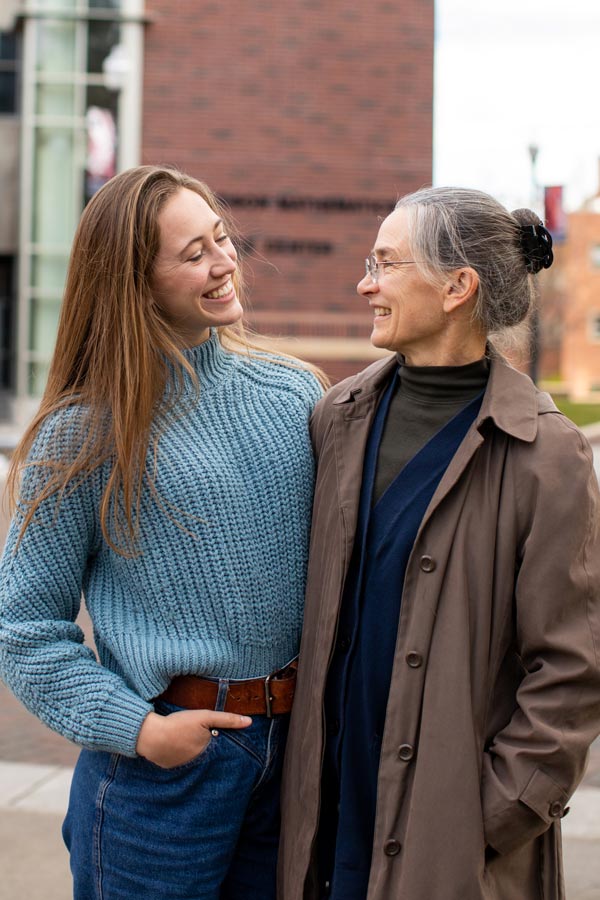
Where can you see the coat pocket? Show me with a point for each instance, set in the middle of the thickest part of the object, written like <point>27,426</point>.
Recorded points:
<point>515,875</point>
<point>511,822</point>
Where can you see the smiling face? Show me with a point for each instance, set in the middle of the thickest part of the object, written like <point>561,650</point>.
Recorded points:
<point>192,277</point>
<point>409,315</point>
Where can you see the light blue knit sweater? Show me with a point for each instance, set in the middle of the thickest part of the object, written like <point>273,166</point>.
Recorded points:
<point>223,597</point>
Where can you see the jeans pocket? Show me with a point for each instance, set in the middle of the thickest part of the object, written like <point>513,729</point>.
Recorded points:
<point>163,708</point>
<point>263,741</point>
<point>242,742</point>
<point>197,760</point>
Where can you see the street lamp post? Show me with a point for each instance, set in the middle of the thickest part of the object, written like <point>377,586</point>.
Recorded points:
<point>534,344</point>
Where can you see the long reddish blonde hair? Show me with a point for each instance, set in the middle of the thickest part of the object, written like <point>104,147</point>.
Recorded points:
<point>115,351</point>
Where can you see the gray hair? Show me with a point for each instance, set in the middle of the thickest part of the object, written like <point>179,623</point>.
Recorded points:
<point>449,228</point>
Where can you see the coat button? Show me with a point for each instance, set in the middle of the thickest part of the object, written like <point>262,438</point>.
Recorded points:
<point>406,752</point>
<point>556,809</point>
<point>427,564</point>
<point>392,848</point>
<point>414,659</point>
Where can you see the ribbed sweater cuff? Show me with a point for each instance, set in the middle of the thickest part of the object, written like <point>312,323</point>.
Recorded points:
<point>118,724</point>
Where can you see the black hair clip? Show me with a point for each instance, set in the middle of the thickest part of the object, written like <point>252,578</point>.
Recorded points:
<point>536,246</point>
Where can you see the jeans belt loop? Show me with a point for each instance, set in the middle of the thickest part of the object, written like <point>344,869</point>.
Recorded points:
<point>222,695</point>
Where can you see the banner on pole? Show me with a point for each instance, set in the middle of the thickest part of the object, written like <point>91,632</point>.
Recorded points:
<point>554,213</point>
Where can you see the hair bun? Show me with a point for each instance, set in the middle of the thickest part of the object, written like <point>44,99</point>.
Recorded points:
<point>535,241</point>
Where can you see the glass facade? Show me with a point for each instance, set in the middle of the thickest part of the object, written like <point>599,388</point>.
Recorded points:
<point>9,70</point>
<point>6,320</point>
<point>10,64</point>
<point>74,106</point>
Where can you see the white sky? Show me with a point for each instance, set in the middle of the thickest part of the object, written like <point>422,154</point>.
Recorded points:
<point>511,73</point>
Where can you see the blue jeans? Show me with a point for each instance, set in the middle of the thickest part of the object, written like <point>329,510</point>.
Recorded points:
<point>207,830</point>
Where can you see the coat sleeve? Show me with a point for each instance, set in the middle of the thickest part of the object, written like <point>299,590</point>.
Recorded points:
<point>318,428</point>
<point>534,764</point>
<point>321,420</point>
<point>43,659</point>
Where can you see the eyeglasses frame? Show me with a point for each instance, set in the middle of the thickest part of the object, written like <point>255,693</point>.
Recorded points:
<point>373,265</point>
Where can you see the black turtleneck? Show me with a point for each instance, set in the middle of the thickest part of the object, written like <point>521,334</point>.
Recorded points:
<point>425,398</point>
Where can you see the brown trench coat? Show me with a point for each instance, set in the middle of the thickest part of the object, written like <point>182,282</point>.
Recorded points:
<point>495,693</point>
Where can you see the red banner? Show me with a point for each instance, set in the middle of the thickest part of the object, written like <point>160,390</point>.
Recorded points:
<point>554,215</point>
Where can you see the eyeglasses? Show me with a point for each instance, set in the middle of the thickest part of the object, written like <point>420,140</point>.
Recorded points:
<point>373,266</point>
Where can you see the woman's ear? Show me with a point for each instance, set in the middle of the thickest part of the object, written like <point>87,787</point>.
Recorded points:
<point>461,286</point>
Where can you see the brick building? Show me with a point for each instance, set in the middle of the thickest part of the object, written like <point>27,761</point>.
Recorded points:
<point>571,306</point>
<point>580,344</point>
<point>313,122</point>
<point>309,119</point>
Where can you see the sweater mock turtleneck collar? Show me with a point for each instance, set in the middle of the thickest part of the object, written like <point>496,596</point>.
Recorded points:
<point>425,398</point>
<point>210,360</point>
<point>443,384</point>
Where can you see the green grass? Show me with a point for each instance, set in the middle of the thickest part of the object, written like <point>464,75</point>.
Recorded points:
<point>580,413</point>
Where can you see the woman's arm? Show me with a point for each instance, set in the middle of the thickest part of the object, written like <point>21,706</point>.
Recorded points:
<point>537,760</point>
<point>42,656</point>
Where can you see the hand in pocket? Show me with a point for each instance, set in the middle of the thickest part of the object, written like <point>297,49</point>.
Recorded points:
<point>175,740</point>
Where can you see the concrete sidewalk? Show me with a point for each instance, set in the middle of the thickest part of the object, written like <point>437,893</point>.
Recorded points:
<point>34,862</point>
<point>33,859</point>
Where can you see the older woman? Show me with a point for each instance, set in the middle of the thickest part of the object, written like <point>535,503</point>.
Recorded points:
<point>449,685</point>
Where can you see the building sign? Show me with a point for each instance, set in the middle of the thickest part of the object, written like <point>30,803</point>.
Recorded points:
<point>294,203</point>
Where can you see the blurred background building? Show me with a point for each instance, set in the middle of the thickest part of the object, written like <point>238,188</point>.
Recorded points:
<point>571,303</point>
<point>309,119</point>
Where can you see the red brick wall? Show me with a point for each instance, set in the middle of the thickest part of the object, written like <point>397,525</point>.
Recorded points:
<point>580,358</point>
<point>303,100</point>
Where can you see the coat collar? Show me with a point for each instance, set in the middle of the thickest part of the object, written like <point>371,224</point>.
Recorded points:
<point>511,399</point>
<point>369,381</point>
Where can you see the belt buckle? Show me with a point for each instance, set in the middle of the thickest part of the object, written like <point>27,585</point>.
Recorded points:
<point>268,698</point>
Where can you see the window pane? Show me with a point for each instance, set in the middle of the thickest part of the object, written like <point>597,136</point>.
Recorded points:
<point>7,303</point>
<point>55,100</point>
<point>49,273</point>
<point>102,97</point>
<point>102,37</point>
<point>56,47</point>
<point>53,192</point>
<point>38,375</point>
<point>8,45</point>
<point>101,122</point>
<point>8,92</point>
<point>44,323</point>
<point>56,4</point>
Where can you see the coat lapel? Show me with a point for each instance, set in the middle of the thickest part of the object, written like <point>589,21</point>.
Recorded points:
<point>516,417</point>
<point>353,414</point>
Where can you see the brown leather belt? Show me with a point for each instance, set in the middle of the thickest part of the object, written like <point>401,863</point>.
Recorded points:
<point>270,696</point>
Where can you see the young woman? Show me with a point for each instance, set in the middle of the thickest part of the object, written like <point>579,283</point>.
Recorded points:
<point>168,478</point>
